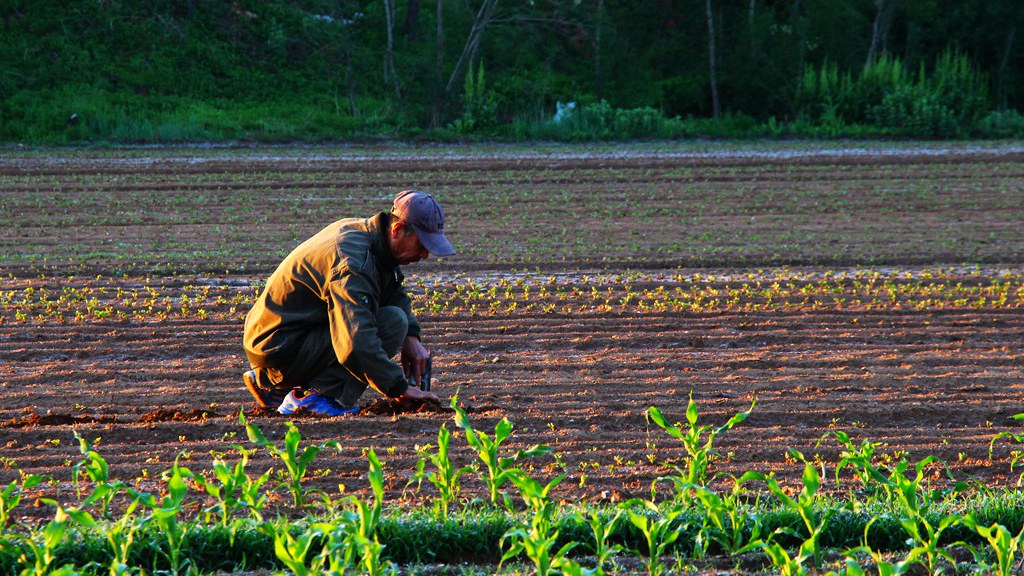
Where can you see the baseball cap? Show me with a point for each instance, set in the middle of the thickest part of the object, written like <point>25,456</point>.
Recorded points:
<point>424,214</point>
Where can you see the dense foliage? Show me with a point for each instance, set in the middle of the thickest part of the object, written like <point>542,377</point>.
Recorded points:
<point>160,70</point>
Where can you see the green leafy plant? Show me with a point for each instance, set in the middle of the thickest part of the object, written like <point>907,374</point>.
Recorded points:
<point>498,468</point>
<point>806,508</point>
<point>235,488</point>
<point>11,496</point>
<point>94,468</point>
<point>1003,543</point>
<point>659,527</point>
<point>538,539</point>
<point>697,440</point>
<point>445,476</point>
<point>164,512</point>
<point>725,519</point>
<point>602,528</point>
<point>296,463</point>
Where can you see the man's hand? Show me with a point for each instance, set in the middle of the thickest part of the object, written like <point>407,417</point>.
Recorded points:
<point>414,393</point>
<point>414,358</point>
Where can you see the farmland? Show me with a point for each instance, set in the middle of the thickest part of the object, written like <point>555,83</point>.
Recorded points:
<point>876,291</point>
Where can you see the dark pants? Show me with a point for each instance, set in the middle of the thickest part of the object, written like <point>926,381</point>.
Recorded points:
<point>315,366</point>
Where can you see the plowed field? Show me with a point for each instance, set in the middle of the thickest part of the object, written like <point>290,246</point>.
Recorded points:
<point>878,292</point>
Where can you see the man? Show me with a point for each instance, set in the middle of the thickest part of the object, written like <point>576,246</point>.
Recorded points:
<point>335,312</point>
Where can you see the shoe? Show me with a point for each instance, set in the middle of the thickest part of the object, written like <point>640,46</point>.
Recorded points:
<point>315,403</point>
<point>266,396</point>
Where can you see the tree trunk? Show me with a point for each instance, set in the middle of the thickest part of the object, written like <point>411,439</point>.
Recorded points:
<point>436,110</point>
<point>752,26</point>
<point>483,17</point>
<point>412,20</point>
<point>598,80</point>
<point>389,61</point>
<point>712,66</point>
<point>880,28</point>
<point>1000,96</point>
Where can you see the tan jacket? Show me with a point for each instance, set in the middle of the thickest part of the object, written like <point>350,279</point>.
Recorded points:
<point>340,277</point>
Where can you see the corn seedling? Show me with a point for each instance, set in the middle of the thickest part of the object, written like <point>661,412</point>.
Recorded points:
<point>43,552</point>
<point>697,440</point>
<point>538,539</point>
<point>94,468</point>
<point>235,488</point>
<point>602,528</point>
<point>445,477</point>
<point>164,512</point>
<point>803,505</point>
<point>725,520</point>
<point>1005,546</point>
<point>659,527</point>
<point>11,496</point>
<point>296,464</point>
<point>498,468</point>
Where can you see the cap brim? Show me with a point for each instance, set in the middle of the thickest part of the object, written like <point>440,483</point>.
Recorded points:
<point>435,243</point>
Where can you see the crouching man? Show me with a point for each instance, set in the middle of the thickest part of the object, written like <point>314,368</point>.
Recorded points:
<point>335,312</point>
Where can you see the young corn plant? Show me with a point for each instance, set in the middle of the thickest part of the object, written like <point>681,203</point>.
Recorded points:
<point>725,520</point>
<point>1017,454</point>
<point>883,566</point>
<point>1004,545</point>
<point>352,540</point>
<point>659,527</point>
<point>11,496</point>
<point>42,553</point>
<point>445,477</point>
<point>164,512</point>
<point>498,468</point>
<point>804,506</point>
<point>296,463</point>
<point>94,468</point>
<point>698,442</point>
<point>119,533</point>
<point>537,540</point>
<point>296,552</point>
<point>235,488</point>
<point>602,528</point>
<point>913,501</point>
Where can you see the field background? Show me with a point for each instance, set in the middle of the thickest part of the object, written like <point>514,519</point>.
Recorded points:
<point>870,288</point>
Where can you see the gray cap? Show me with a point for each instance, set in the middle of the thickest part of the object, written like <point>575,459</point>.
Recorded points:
<point>424,214</point>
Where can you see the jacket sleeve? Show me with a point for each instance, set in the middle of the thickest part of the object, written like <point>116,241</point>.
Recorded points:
<point>355,337</point>
<point>401,300</point>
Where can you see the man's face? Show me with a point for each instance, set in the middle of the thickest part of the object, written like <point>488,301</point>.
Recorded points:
<point>406,246</point>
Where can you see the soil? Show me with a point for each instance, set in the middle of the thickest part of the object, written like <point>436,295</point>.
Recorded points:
<point>148,390</point>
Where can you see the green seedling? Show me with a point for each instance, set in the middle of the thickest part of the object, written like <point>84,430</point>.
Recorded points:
<point>295,552</point>
<point>498,468</point>
<point>11,496</point>
<point>235,488</point>
<point>537,540</point>
<point>93,467</point>
<point>1004,544</point>
<point>445,477</point>
<point>43,552</point>
<point>296,464</point>
<point>119,533</point>
<point>725,520</point>
<point>803,505</point>
<point>697,440</point>
<point>352,540</point>
<point>602,528</point>
<point>164,512</point>
<point>659,527</point>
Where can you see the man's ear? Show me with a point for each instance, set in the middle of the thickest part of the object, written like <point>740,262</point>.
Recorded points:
<point>397,227</point>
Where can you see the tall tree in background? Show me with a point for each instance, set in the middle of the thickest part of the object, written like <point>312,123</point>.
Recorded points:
<point>880,28</point>
<point>712,63</point>
<point>469,51</point>
<point>390,76</point>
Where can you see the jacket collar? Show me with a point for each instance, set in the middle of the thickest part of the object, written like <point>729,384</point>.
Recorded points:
<point>379,227</point>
